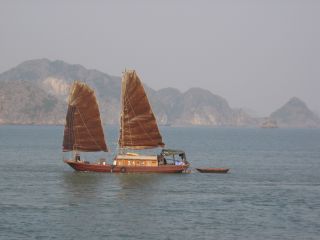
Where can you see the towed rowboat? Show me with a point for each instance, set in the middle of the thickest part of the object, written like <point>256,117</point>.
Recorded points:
<point>213,170</point>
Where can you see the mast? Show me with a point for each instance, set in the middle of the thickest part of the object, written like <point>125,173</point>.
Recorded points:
<point>139,128</point>
<point>83,129</point>
<point>121,135</point>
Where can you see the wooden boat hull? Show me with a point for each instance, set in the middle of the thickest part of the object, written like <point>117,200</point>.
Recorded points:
<point>213,170</point>
<point>95,167</point>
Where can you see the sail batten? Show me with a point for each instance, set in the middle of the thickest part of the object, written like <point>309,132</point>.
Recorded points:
<point>83,129</point>
<point>139,129</point>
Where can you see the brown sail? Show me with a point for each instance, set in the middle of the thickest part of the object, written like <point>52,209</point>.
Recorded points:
<point>139,129</point>
<point>83,130</point>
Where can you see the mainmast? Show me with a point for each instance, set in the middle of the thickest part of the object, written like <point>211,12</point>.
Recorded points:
<point>139,128</point>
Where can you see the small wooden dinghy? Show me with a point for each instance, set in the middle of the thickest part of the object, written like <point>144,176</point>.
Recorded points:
<point>213,170</point>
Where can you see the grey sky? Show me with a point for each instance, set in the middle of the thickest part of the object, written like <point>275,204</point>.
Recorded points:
<point>256,54</point>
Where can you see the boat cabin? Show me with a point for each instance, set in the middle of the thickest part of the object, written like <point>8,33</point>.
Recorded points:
<point>130,159</point>
<point>173,157</point>
<point>166,157</point>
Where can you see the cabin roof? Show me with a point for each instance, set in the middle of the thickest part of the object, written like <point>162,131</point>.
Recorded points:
<point>167,152</point>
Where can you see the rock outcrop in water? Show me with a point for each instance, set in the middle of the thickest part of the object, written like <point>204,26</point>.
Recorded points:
<point>295,114</point>
<point>269,123</point>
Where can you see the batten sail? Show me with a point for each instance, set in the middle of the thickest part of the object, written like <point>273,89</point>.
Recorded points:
<point>83,130</point>
<point>139,129</point>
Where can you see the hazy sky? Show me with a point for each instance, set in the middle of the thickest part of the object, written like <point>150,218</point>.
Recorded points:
<point>256,54</point>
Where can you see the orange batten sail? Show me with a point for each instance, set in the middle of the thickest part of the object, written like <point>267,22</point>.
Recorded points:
<point>139,129</point>
<point>83,130</point>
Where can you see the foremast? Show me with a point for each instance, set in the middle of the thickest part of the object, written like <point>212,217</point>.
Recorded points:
<point>83,130</point>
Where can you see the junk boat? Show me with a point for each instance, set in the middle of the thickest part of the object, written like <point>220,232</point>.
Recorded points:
<point>138,131</point>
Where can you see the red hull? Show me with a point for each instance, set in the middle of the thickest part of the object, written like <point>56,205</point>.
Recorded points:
<point>157,169</point>
<point>213,170</point>
<point>94,167</point>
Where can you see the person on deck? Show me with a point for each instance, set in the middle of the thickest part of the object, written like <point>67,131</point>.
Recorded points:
<point>164,161</point>
<point>77,157</point>
<point>178,163</point>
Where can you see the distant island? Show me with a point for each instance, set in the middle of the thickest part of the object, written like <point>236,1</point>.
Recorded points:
<point>35,92</point>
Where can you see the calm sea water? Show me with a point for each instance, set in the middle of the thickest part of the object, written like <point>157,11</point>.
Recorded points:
<point>271,192</point>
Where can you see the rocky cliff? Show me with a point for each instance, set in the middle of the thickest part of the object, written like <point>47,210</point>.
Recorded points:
<point>35,92</point>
